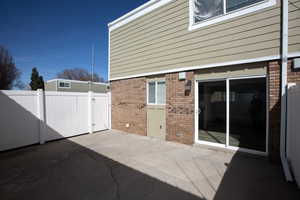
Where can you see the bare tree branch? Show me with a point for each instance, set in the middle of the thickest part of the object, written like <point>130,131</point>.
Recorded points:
<point>79,74</point>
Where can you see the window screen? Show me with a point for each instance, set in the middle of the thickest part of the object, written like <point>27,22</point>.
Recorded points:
<point>205,9</point>
<point>151,92</point>
<point>232,5</point>
<point>161,93</point>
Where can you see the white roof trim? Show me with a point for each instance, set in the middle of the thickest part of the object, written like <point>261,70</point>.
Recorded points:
<point>260,59</point>
<point>75,81</point>
<point>136,13</point>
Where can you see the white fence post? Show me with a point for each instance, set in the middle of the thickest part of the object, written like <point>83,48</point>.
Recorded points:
<point>41,114</point>
<point>109,110</point>
<point>293,138</point>
<point>90,111</point>
<point>290,104</point>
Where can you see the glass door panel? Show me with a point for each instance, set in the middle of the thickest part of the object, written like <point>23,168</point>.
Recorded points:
<point>248,113</point>
<point>212,111</point>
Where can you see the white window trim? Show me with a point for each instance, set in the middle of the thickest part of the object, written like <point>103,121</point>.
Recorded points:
<point>64,82</point>
<point>156,83</point>
<point>242,11</point>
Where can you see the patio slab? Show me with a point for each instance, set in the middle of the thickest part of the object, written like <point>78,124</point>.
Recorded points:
<point>115,165</point>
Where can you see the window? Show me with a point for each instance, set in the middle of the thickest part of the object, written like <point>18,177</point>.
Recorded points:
<point>204,9</point>
<point>151,93</point>
<point>63,84</point>
<point>156,92</point>
<point>206,12</point>
<point>232,5</point>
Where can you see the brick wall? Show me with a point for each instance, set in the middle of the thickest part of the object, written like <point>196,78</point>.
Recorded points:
<point>129,105</point>
<point>274,109</point>
<point>180,110</point>
<point>293,75</point>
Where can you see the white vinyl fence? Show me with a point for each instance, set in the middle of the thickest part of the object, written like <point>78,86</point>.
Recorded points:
<point>293,129</point>
<point>29,117</point>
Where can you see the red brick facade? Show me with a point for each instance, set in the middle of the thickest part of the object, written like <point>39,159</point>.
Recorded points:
<point>129,106</point>
<point>274,109</point>
<point>180,109</point>
<point>293,75</point>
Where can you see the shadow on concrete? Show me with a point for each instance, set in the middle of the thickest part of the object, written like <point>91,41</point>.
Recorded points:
<point>66,170</point>
<point>251,177</point>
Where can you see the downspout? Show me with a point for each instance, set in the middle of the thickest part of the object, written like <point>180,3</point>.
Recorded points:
<point>284,64</point>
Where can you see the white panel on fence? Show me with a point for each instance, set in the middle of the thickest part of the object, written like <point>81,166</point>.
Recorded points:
<point>101,112</point>
<point>293,140</point>
<point>29,117</point>
<point>19,123</point>
<point>66,114</point>
<point>82,117</point>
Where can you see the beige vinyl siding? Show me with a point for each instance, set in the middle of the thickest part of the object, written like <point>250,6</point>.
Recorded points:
<point>76,87</point>
<point>84,87</point>
<point>253,69</point>
<point>51,86</point>
<point>160,40</point>
<point>294,26</point>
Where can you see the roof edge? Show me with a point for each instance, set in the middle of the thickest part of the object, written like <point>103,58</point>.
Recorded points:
<point>136,13</point>
<point>75,81</point>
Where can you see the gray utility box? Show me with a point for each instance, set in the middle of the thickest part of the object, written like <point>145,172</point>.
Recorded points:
<point>297,63</point>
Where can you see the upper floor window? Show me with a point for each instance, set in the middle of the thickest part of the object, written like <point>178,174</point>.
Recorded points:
<point>206,12</point>
<point>204,9</point>
<point>64,84</point>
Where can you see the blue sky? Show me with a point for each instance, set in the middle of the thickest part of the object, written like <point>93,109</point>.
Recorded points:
<point>53,35</point>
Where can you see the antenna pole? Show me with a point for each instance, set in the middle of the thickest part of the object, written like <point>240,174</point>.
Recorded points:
<point>92,66</point>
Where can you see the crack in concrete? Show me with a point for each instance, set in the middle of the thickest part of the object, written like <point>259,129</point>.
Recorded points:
<point>110,169</point>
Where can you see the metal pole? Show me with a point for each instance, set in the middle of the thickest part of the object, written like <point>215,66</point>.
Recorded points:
<point>93,61</point>
<point>92,66</point>
<point>284,65</point>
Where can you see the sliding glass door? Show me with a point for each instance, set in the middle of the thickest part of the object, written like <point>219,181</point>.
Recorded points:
<point>212,112</point>
<point>248,113</point>
<point>232,113</point>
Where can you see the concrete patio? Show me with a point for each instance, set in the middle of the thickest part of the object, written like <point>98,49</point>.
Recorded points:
<point>113,165</point>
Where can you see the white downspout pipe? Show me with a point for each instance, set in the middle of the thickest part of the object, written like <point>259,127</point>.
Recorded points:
<point>284,64</point>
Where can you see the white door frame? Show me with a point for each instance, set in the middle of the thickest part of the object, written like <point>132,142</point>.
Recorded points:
<point>226,145</point>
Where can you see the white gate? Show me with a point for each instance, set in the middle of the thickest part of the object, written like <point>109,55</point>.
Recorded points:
<point>101,104</point>
<point>66,114</point>
<point>29,117</point>
<point>293,129</point>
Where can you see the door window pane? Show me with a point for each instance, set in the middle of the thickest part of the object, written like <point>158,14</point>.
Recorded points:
<point>212,112</point>
<point>151,92</point>
<point>248,114</point>
<point>161,93</point>
<point>232,5</point>
<point>205,9</point>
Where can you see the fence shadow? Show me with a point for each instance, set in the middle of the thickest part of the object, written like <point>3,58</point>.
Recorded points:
<point>66,170</point>
<point>251,177</point>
